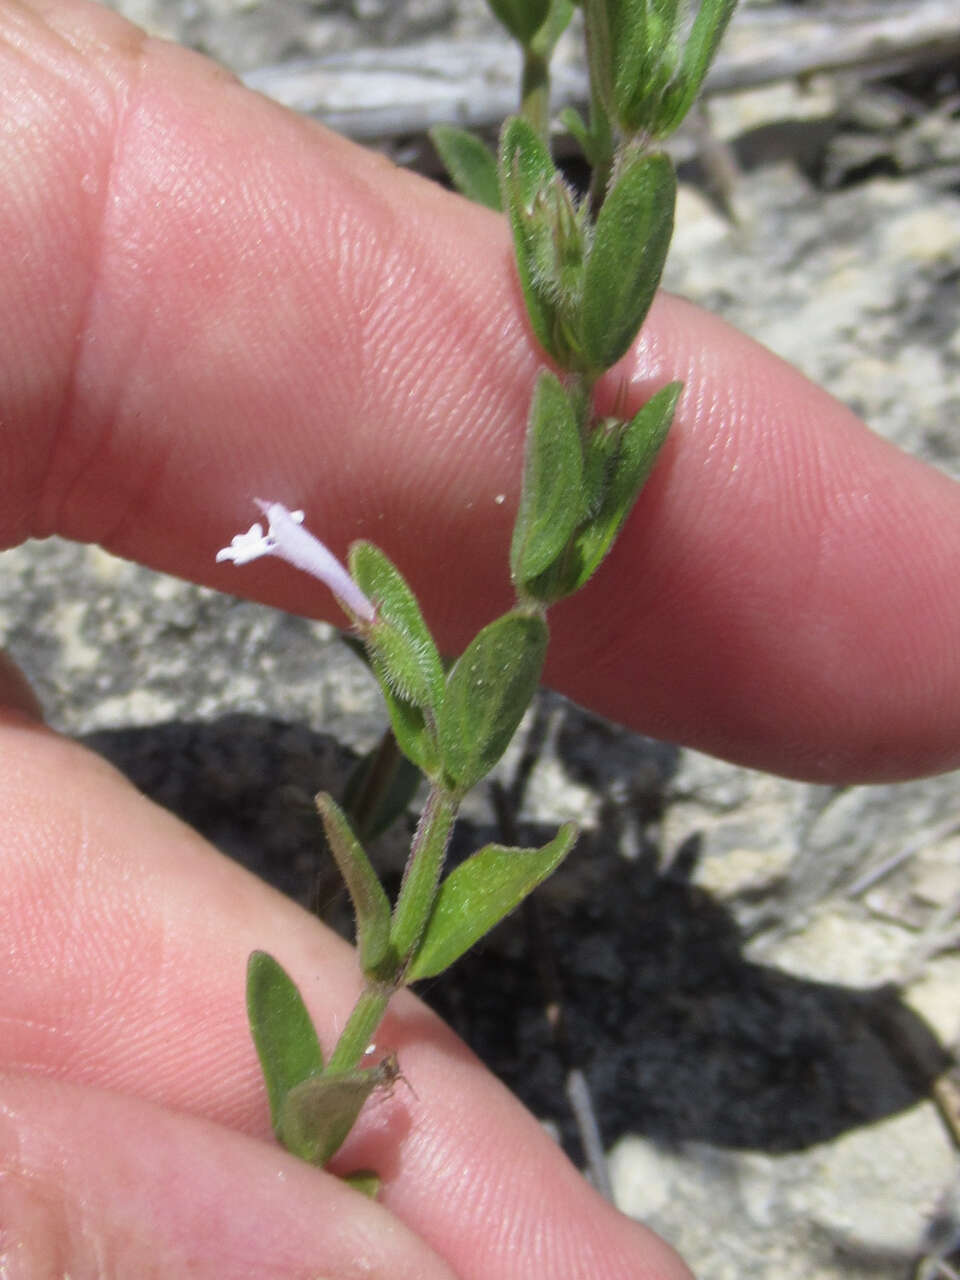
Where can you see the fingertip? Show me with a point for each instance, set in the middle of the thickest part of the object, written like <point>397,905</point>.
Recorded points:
<point>98,1183</point>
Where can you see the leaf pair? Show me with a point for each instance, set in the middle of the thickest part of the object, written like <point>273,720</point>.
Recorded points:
<point>576,496</point>
<point>587,287</point>
<point>471,164</point>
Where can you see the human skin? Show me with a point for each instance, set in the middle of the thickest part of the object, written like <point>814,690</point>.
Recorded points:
<point>205,298</point>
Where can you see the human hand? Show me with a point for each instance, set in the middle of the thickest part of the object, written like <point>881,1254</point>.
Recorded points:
<point>205,298</point>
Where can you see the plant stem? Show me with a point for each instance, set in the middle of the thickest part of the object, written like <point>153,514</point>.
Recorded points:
<point>579,387</point>
<point>603,157</point>
<point>597,36</point>
<point>535,92</point>
<point>422,873</point>
<point>410,916</point>
<point>360,1028</point>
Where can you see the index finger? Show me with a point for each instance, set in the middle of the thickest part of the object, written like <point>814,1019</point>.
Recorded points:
<point>209,298</point>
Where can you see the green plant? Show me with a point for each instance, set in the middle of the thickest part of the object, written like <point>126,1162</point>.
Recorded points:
<point>589,267</point>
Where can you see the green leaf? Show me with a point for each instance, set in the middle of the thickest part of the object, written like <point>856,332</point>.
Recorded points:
<point>402,651</point>
<point>380,788</point>
<point>629,249</point>
<point>553,470</point>
<point>415,735</point>
<point>525,163</point>
<point>566,574</point>
<point>318,1114</point>
<point>283,1033</point>
<point>479,893</point>
<point>488,690</point>
<point>628,461</point>
<point>471,164</point>
<point>522,18</point>
<point>706,33</point>
<point>597,37</point>
<point>548,239</point>
<point>526,169</point>
<point>370,903</point>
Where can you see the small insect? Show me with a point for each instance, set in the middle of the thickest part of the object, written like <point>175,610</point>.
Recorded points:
<point>387,1072</point>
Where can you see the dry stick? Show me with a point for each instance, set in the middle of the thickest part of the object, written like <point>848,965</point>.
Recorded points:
<point>934,939</point>
<point>585,1115</point>
<point>400,93</point>
<point>946,1095</point>
<point>882,869</point>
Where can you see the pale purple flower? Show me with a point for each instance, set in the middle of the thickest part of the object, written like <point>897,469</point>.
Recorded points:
<point>287,538</point>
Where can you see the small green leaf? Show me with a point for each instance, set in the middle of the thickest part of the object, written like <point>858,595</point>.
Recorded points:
<point>283,1033</point>
<point>471,164</point>
<point>415,735</point>
<point>706,33</point>
<point>370,903</point>
<point>526,165</point>
<point>488,690</point>
<point>318,1114</point>
<point>552,476</point>
<point>629,249</point>
<point>479,893</point>
<point>380,788</point>
<point>549,239</point>
<point>522,18</point>
<point>402,651</point>
<point>626,466</point>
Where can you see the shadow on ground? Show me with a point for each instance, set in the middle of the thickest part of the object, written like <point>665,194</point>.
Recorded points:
<point>680,1037</point>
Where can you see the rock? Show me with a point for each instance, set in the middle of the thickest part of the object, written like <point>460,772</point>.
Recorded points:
<point>856,1193</point>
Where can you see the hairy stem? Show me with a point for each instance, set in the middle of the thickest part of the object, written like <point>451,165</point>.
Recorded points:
<point>359,1031</point>
<point>535,92</point>
<point>422,874</point>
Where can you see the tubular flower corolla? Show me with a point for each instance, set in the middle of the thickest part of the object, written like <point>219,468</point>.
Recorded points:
<point>287,538</point>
